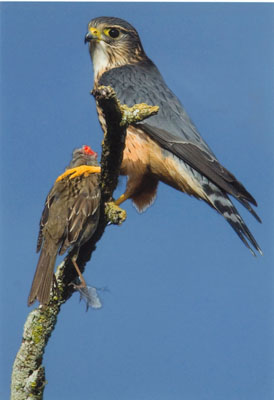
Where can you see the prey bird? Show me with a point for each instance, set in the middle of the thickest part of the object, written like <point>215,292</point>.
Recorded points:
<point>166,147</point>
<point>69,219</point>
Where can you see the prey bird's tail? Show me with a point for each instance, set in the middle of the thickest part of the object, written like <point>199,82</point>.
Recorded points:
<point>42,281</point>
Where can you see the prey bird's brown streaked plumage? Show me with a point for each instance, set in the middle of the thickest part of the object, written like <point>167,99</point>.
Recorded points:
<point>69,219</point>
<point>167,147</point>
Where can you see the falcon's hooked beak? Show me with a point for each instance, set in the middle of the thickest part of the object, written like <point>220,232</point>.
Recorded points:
<point>93,34</point>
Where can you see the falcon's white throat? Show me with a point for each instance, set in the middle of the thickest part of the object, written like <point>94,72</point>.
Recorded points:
<point>99,57</point>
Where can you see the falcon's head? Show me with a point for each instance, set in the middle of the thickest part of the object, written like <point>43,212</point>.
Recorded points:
<point>113,42</point>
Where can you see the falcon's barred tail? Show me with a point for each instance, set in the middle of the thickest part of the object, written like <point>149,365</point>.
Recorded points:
<point>42,281</point>
<point>220,201</point>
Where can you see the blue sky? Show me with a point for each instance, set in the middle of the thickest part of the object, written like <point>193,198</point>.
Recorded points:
<point>189,311</point>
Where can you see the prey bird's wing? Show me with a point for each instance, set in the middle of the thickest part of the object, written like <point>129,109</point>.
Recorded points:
<point>54,192</point>
<point>83,210</point>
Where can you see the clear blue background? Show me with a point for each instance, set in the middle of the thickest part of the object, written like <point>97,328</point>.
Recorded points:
<point>189,312</point>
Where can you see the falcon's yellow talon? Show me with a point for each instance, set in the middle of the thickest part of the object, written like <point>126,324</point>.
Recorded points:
<point>78,171</point>
<point>65,174</point>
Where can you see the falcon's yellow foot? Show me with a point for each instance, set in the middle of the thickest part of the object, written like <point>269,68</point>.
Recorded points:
<point>121,199</point>
<point>85,170</point>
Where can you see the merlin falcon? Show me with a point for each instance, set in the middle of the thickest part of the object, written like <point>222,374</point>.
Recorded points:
<point>166,147</point>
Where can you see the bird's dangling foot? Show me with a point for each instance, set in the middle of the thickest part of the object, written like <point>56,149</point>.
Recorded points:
<point>83,283</point>
<point>88,293</point>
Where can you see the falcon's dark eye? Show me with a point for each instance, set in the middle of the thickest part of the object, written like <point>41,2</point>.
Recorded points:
<point>113,32</point>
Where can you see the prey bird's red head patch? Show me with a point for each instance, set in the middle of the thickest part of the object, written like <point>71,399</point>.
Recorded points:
<point>88,150</point>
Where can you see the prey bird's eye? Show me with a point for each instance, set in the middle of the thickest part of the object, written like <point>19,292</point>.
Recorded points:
<point>112,32</point>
